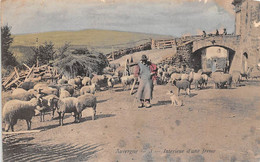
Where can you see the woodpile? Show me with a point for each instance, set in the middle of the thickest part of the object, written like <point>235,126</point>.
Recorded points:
<point>41,73</point>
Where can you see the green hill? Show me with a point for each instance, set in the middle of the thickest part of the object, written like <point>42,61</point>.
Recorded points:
<point>101,40</point>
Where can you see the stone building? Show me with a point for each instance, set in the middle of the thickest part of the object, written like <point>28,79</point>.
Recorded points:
<point>247,15</point>
<point>242,49</point>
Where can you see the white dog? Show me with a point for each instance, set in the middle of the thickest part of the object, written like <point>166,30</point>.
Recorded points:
<point>176,101</point>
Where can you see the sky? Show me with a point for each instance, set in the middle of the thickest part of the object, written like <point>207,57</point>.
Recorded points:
<point>165,17</point>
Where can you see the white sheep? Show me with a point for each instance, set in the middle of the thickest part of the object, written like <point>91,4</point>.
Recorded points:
<point>40,86</point>
<point>220,79</point>
<point>165,77</point>
<point>18,91</point>
<point>76,106</point>
<point>72,83</point>
<point>88,89</point>
<point>254,73</point>
<point>197,79</point>
<point>205,79</point>
<point>68,88</point>
<point>86,81</point>
<point>100,81</point>
<point>175,77</point>
<point>76,93</point>
<point>16,109</point>
<point>86,101</point>
<point>236,77</point>
<point>64,77</point>
<point>48,91</point>
<point>127,80</point>
<point>191,76</point>
<point>26,96</point>
<point>184,77</point>
<point>64,93</point>
<point>62,81</point>
<point>116,79</point>
<point>110,81</point>
<point>67,105</point>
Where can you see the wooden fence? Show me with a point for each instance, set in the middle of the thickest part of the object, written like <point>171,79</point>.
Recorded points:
<point>163,44</point>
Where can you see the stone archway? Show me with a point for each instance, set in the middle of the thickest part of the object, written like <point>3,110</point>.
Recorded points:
<point>199,60</point>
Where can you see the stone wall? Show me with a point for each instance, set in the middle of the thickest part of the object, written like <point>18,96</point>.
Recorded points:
<point>184,55</point>
<point>249,16</point>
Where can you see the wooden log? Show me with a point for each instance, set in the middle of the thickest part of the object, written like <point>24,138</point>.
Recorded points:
<point>31,69</point>
<point>20,84</point>
<point>22,132</point>
<point>131,92</point>
<point>9,78</point>
<point>16,72</point>
<point>12,82</point>
<point>26,66</point>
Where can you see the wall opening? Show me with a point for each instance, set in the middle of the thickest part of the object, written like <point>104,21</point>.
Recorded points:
<point>213,58</point>
<point>244,62</point>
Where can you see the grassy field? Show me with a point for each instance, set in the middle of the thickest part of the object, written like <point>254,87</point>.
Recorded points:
<point>104,41</point>
<point>101,40</point>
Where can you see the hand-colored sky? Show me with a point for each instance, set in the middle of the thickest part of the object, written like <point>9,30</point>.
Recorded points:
<point>168,17</point>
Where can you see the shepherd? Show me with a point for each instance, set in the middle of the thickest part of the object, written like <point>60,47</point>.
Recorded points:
<point>146,73</point>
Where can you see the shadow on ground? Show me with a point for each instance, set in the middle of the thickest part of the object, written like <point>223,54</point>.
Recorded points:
<point>100,101</point>
<point>100,116</point>
<point>18,149</point>
<point>159,103</point>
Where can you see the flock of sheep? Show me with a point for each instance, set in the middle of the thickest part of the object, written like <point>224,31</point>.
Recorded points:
<point>75,95</point>
<point>184,79</point>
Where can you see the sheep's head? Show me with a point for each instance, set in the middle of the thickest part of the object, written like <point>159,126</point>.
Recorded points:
<point>80,77</point>
<point>174,82</point>
<point>39,99</point>
<point>53,101</point>
<point>94,85</point>
<point>200,71</point>
<point>32,91</point>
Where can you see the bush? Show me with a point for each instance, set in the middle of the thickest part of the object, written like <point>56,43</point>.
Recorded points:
<point>73,65</point>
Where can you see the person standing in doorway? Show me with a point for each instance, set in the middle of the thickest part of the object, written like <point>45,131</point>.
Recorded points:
<point>214,66</point>
<point>146,72</point>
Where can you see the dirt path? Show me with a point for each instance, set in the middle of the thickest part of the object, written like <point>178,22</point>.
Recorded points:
<point>213,125</point>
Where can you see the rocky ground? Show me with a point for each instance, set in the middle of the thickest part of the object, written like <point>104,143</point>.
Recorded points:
<point>213,125</point>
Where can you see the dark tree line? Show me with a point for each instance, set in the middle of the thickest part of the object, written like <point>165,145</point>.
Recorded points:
<point>44,53</point>
<point>8,58</point>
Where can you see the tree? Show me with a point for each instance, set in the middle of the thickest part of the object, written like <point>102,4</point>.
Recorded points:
<point>44,53</point>
<point>62,51</point>
<point>6,41</point>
